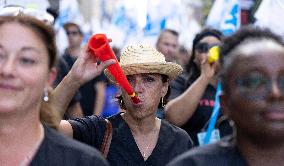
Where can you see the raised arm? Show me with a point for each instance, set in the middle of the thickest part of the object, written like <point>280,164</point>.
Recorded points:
<point>179,110</point>
<point>84,69</point>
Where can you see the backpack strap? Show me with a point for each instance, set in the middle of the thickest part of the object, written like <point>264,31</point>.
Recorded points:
<point>107,139</point>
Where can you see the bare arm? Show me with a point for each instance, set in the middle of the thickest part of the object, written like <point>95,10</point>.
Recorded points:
<point>65,128</point>
<point>64,93</point>
<point>75,111</point>
<point>180,110</point>
<point>100,97</point>
<point>84,69</point>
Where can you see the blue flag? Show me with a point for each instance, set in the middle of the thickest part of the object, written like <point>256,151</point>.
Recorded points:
<point>154,27</point>
<point>225,16</point>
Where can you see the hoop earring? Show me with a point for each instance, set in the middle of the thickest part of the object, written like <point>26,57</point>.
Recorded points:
<point>163,102</point>
<point>121,103</point>
<point>232,124</point>
<point>45,96</point>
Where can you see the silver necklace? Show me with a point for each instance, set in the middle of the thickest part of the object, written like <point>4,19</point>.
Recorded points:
<point>146,141</point>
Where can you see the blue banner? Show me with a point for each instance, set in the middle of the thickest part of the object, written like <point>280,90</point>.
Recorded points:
<point>225,16</point>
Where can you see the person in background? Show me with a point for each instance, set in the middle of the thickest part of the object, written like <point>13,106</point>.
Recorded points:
<point>138,136</point>
<point>178,85</point>
<point>193,98</point>
<point>168,44</point>
<point>253,97</point>
<point>183,57</point>
<point>27,69</point>
<point>75,38</point>
<point>92,92</point>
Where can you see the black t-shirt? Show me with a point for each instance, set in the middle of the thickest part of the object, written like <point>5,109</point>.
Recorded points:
<point>222,153</point>
<point>172,141</point>
<point>200,118</point>
<point>58,150</point>
<point>88,93</point>
<point>178,86</point>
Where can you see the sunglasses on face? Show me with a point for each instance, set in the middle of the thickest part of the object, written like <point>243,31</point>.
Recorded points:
<point>204,47</point>
<point>257,86</point>
<point>73,33</point>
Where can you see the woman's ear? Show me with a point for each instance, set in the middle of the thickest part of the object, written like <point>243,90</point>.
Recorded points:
<point>52,76</point>
<point>165,88</point>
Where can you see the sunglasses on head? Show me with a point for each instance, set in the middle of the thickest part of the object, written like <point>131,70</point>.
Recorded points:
<point>15,10</point>
<point>204,47</point>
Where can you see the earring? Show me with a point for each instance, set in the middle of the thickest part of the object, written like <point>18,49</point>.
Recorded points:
<point>163,102</point>
<point>232,124</point>
<point>45,96</point>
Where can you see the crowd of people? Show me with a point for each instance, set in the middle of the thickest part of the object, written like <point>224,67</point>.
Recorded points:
<point>52,107</point>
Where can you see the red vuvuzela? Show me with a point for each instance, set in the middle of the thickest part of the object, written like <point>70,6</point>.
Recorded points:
<point>98,46</point>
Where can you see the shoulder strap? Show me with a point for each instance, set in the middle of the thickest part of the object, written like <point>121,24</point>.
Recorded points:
<point>107,139</point>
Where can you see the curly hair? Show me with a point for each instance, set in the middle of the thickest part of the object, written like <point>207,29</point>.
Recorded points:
<point>241,36</point>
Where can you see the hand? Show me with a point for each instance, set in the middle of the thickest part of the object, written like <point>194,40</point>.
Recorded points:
<point>86,68</point>
<point>208,70</point>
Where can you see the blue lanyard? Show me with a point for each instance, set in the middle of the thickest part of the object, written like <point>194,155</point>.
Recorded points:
<point>214,115</point>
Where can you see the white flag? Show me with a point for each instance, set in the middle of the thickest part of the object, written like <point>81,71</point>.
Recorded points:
<point>270,15</point>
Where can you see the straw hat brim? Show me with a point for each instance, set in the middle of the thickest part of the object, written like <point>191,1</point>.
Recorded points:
<point>172,70</point>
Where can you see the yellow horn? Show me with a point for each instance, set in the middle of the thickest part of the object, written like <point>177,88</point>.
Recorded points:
<point>214,54</point>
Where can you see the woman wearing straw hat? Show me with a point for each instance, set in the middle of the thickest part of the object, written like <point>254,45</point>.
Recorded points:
<point>138,137</point>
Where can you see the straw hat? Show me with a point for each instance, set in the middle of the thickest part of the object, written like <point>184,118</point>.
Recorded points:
<point>137,59</point>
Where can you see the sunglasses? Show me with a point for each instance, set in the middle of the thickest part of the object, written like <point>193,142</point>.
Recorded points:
<point>204,47</point>
<point>257,86</point>
<point>15,10</point>
<point>73,33</point>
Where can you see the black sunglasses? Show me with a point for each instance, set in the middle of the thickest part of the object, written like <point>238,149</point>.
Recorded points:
<point>72,33</point>
<point>204,47</point>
